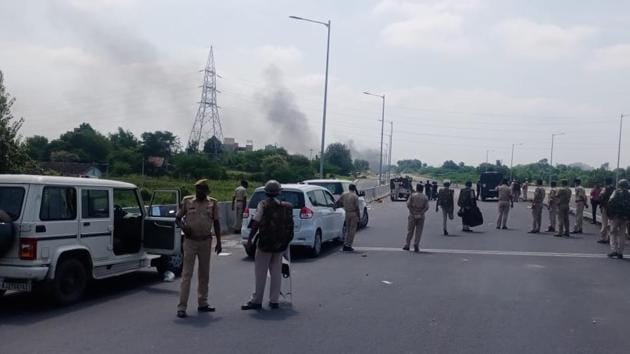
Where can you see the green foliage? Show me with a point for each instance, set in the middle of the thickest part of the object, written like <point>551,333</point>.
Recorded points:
<point>13,158</point>
<point>84,142</point>
<point>339,157</point>
<point>196,166</point>
<point>361,165</point>
<point>159,143</point>
<point>35,146</point>
<point>64,156</point>
<point>409,166</point>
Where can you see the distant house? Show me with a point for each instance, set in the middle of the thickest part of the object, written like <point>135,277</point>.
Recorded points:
<point>73,169</point>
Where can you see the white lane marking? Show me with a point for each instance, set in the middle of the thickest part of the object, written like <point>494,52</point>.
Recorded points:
<point>489,252</point>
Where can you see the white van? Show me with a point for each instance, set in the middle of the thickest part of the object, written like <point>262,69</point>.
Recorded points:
<point>57,233</point>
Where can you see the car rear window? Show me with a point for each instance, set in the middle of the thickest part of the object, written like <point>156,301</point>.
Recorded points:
<point>11,199</point>
<point>295,198</point>
<point>333,187</point>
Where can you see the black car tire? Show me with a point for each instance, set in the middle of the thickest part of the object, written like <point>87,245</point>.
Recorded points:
<point>365,218</point>
<point>174,264</point>
<point>316,250</point>
<point>70,282</point>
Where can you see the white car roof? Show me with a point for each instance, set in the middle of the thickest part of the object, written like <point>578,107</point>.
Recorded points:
<point>66,181</point>
<point>296,187</point>
<point>327,181</point>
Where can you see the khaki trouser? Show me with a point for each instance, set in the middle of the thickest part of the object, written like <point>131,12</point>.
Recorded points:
<point>352,220</point>
<point>447,213</point>
<point>504,210</point>
<point>415,225</point>
<point>618,235</point>
<point>553,217</point>
<point>272,262</point>
<point>238,216</point>
<point>579,216</point>
<point>603,234</point>
<point>537,209</point>
<point>192,250</point>
<point>563,219</point>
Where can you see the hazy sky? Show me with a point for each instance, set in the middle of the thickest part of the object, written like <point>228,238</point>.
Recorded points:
<point>461,77</point>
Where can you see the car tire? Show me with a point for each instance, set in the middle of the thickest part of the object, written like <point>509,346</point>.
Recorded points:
<point>70,282</point>
<point>174,264</point>
<point>316,250</point>
<point>365,218</point>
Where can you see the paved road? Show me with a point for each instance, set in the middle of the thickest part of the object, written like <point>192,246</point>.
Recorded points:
<point>488,292</point>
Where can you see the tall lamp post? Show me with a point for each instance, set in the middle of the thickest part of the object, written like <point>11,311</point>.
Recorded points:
<point>619,147</point>
<point>327,24</point>
<point>512,159</point>
<point>380,165</point>
<point>553,137</point>
<point>389,158</point>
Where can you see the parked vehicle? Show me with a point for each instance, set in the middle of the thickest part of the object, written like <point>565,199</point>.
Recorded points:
<point>337,188</point>
<point>316,220</point>
<point>489,183</point>
<point>64,231</point>
<point>400,188</point>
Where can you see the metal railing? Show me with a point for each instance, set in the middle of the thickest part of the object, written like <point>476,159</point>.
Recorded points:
<point>374,193</point>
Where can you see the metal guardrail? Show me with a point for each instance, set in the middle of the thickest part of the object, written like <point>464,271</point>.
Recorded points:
<point>374,193</point>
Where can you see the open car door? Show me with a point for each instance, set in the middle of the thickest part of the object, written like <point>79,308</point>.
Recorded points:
<point>161,235</point>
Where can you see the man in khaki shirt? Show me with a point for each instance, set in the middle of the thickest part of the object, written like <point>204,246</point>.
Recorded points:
<point>537,207</point>
<point>580,203</point>
<point>506,202</point>
<point>196,217</point>
<point>350,203</point>
<point>553,207</point>
<point>564,197</point>
<point>446,201</point>
<point>239,203</point>
<point>418,204</point>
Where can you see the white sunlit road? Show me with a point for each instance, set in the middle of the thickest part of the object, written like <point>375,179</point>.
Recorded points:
<point>487,292</point>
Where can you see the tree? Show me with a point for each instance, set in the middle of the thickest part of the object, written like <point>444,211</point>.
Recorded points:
<point>84,142</point>
<point>13,158</point>
<point>124,139</point>
<point>361,165</point>
<point>36,147</point>
<point>64,156</point>
<point>408,166</point>
<point>159,143</point>
<point>339,156</point>
<point>450,165</point>
<point>197,166</point>
<point>213,146</point>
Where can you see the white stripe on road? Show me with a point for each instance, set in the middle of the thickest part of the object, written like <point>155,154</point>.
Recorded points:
<point>487,252</point>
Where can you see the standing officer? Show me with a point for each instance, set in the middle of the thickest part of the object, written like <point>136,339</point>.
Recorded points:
<point>506,201</point>
<point>553,207</point>
<point>580,204</point>
<point>239,203</point>
<point>466,202</point>
<point>516,190</point>
<point>196,217</point>
<point>274,220</point>
<point>564,197</point>
<point>446,201</point>
<point>619,212</point>
<point>350,203</point>
<point>537,206</point>
<point>418,204</point>
<point>427,190</point>
<point>525,188</point>
<point>595,194</point>
<point>603,200</point>
<point>434,190</point>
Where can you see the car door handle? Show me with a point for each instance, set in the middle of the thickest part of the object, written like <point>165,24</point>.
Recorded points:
<point>86,224</point>
<point>40,228</point>
<point>156,224</point>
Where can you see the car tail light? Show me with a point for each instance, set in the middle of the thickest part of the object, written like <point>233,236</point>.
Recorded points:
<point>246,213</point>
<point>28,249</point>
<point>306,213</point>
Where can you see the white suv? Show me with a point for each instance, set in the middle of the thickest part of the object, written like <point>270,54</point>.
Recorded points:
<point>337,187</point>
<point>315,217</point>
<point>57,233</point>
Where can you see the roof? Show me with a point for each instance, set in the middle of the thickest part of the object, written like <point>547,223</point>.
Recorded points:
<point>301,187</point>
<point>326,181</point>
<point>69,168</point>
<point>68,181</point>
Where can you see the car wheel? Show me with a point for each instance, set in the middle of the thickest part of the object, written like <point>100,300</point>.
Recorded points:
<point>365,218</point>
<point>70,282</point>
<point>316,250</point>
<point>174,264</point>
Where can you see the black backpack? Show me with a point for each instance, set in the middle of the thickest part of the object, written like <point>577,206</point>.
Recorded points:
<point>276,227</point>
<point>619,204</point>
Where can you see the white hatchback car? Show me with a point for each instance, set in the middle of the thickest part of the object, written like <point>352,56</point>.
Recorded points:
<point>316,219</point>
<point>337,187</point>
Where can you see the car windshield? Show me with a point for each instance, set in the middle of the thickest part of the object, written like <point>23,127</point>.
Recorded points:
<point>295,198</point>
<point>333,187</point>
<point>11,199</point>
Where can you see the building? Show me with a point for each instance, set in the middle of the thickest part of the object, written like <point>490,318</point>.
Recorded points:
<point>230,144</point>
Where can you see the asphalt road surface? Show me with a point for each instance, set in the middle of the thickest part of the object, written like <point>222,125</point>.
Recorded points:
<point>487,292</point>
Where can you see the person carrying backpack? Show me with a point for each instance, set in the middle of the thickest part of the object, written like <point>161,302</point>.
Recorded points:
<point>274,224</point>
<point>619,214</point>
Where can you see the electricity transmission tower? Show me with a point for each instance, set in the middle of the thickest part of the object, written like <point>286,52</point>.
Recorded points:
<point>207,121</point>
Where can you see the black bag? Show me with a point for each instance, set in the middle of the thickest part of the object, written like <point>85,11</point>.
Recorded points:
<point>473,217</point>
<point>275,230</point>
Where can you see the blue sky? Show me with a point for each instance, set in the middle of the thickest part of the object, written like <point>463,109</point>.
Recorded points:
<point>461,77</point>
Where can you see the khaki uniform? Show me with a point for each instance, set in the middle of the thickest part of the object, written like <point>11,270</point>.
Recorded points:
<point>605,197</point>
<point>198,218</point>
<point>525,188</point>
<point>553,209</point>
<point>350,203</point>
<point>580,202</point>
<point>564,197</point>
<point>266,262</point>
<point>446,201</point>
<point>537,208</point>
<point>505,201</point>
<point>418,204</point>
<point>240,196</point>
<point>618,232</point>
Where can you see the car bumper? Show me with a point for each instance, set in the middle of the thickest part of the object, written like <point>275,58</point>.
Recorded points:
<point>27,273</point>
<point>305,237</point>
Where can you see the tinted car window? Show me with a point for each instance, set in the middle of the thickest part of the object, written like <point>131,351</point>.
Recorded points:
<point>333,187</point>
<point>11,199</point>
<point>295,198</point>
<point>58,203</point>
<point>320,198</point>
<point>329,198</point>
<point>94,204</point>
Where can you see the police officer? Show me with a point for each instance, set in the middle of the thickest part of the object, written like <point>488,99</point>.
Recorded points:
<point>446,201</point>
<point>506,201</point>
<point>537,206</point>
<point>266,262</point>
<point>619,218</point>
<point>196,217</point>
<point>427,190</point>
<point>466,202</point>
<point>239,203</point>
<point>580,203</point>
<point>350,203</point>
<point>418,204</point>
<point>525,188</point>
<point>604,198</point>
<point>553,207</point>
<point>564,197</point>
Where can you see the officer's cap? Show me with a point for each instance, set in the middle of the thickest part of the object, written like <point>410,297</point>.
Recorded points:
<point>273,187</point>
<point>202,183</point>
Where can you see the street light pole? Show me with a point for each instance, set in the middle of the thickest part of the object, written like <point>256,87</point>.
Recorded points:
<point>619,148</point>
<point>512,159</point>
<point>389,159</point>
<point>380,167</point>
<point>553,136</point>
<point>321,156</point>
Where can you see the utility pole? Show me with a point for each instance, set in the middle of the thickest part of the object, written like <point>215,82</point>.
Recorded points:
<point>619,149</point>
<point>553,136</point>
<point>389,159</point>
<point>512,159</point>
<point>207,112</point>
<point>382,120</point>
